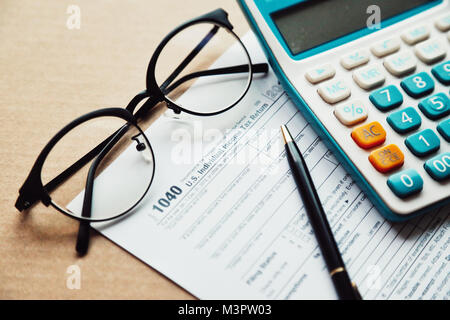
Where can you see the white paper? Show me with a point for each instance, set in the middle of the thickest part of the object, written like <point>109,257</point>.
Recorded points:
<point>239,230</point>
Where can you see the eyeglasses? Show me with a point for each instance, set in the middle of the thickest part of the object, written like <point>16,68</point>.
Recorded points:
<point>179,62</point>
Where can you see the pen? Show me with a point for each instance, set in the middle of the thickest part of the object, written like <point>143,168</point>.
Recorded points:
<point>345,289</point>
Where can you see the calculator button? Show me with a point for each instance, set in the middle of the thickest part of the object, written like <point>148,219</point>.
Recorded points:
<point>439,167</point>
<point>423,143</point>
<point>369,77</point>
<point>369,135</point>
<point>418,85</point>
<point>320,74</point>
<point>415,35</point>
<point>444,129</point>
<point>388,158</point>
<point>334,91</point>
<point>405,120</point>
<point>355,59</point>
<point>385,47</point>
<point>400,63</point>
<point>430,51</point>
<point>436,106</point>
<point>387,98</point>
<point>443,23</point>
<point>351,113</point>
<point>442,72</point>
<point>405,183</point>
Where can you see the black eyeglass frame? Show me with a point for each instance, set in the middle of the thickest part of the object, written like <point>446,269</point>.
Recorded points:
<point>33,189</point>
<point>218,17</point>
<point>34,185</point>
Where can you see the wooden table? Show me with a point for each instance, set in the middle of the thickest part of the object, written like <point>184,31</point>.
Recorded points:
<point>49,75</point>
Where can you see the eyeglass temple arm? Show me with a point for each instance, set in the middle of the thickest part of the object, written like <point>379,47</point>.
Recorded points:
<point>256,68</point>
<point>83,231</point>
<point>25,201</point>
<point>190,57</point>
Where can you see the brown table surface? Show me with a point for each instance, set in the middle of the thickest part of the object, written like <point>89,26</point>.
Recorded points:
<point>50,75</point>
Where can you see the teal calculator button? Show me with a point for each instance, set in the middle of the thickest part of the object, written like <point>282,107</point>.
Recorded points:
<point>418,85</point>
<point>444,129</point>
<point>387,98</point>
<point>405,120</point>
<point>423,143</point>
<point>439,167</point>
<point>436,106</point>
<point>405,183</point>
<point>442,72</point>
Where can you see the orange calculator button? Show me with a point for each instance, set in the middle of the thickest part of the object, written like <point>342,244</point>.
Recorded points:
<point>387,158</point>
<point>369,135</point>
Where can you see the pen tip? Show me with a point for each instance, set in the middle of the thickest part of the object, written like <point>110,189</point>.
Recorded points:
<point>286,135</point>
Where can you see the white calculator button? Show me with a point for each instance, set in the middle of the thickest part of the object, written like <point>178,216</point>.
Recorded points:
<point>430,51</point>
<point>355,59</point>
<point>385,47</point>
<point>443,23</point>
<point>334,91</point>
<point>369,77</point>
<point>400,63</point>
<point>351,113</point>
<point>415,35</point>
<point>320,74</point>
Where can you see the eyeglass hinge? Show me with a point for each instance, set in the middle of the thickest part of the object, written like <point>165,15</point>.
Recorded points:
<point>27,199</point>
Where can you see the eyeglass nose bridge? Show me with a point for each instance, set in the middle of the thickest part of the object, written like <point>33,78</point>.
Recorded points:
<point>153,98</point>
<point>176,109</point>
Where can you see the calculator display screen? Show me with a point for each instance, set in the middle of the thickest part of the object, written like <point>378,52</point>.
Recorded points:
<point>311,23</point>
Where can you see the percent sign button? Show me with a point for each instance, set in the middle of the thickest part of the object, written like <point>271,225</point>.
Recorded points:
<point>351,113</point>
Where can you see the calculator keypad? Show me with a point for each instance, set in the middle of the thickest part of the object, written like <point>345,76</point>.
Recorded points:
<point>436,106</point>
<point>320,74</point>
<point>439,167</point>
<point>401,63</point>
<point>416,34</point>
<point>385,47</point>
<point>443,23</point>
<point>417,72</point>
<point>387,98</point>
<point>423,143</point>
<point>405,183</point>
<point>442,72</point>
<point>355,59</point>
<point>430,51</point>
<point>369,77</point>
<point>418,85</point>
<point>334,91</point>
<point>369,135</point>
<point>351,113</point>
<point>405,120</point>
<point>444,129</point>
<point>388,158</point>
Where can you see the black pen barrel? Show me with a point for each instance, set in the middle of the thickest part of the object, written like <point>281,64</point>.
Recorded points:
<point>313,207</point>
<point>319,223</point>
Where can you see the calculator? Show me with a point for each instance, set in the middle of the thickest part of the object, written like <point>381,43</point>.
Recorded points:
<point>372,77</point>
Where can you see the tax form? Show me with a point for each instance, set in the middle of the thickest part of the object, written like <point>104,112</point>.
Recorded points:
<point>223,218</point>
